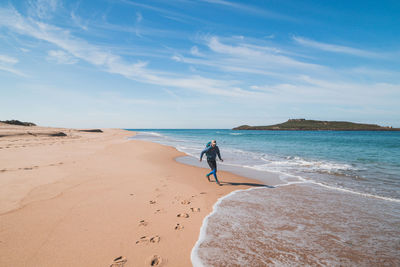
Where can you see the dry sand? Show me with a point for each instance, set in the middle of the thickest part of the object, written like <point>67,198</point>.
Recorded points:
<point>86,199</point>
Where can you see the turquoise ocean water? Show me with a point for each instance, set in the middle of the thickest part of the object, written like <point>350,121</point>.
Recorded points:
<point>365,162</point>
<point>350,180</point>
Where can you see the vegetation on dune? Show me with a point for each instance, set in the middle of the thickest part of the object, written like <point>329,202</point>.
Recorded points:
<point>17,122</point>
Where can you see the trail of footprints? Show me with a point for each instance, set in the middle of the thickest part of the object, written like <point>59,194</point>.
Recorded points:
<point>155,260</point>
<point>30,168</point>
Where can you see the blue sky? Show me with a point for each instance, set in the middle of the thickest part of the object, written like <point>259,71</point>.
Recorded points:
<point>199,64</point>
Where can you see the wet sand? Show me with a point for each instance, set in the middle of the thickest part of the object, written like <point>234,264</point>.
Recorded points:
<point>99,199</point>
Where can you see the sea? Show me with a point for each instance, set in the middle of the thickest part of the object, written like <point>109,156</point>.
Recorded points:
<point>331,198</point>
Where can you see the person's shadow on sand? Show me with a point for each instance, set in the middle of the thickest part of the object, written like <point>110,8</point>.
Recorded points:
<point>248,184</point>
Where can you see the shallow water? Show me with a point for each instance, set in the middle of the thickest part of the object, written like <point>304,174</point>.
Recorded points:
<point>300,225</point>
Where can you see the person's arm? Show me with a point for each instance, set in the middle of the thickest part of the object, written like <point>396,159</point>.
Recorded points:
<point>219,155</point>
<point>204,151</point>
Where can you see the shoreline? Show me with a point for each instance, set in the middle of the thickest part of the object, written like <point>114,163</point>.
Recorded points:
<point>94,197</point>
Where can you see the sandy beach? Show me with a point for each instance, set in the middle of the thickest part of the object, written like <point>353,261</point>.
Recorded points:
<point>99,199</point>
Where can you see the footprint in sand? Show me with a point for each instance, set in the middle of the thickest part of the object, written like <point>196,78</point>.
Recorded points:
<point>183,215</point>
<point>153,202</point>
<point>178,226</point>
<point>185,202</point>
<point>143,223</point>
<point>146,240</point>
<point>195,209</point>
<point>155,239</point>
<point>155,260</point>
<point>119,262</point>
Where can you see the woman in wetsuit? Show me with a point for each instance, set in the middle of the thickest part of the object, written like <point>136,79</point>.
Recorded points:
<point>211,152</point>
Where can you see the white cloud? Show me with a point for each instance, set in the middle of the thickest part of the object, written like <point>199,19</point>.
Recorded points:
<point>256,55</point>
<point>230,56</point>
<point>110,62</point>
<point>251,9</point>
<point>195,51</point>
<point>7,64</point>
<point>292,79</point>
<point>61,57</point>
<point>4,59</point>
<point>336,48</point>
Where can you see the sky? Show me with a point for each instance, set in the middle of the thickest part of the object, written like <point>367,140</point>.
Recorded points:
<point>199,64</point>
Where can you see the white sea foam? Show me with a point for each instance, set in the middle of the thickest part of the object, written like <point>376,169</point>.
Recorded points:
<point>196,261</point>
<point>152,134</point>
<point>355,192</point>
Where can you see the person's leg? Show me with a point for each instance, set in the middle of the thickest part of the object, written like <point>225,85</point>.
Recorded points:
<point>213,166</point>
<point>212,170</point>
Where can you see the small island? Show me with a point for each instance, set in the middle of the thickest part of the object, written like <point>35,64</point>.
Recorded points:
<point>313,125</point>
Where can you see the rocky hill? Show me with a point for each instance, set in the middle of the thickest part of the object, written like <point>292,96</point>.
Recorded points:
<point>313,125</point>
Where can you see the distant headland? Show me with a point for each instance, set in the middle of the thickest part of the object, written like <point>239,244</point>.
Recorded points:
<point>17,122</point>
<point>313,125</point>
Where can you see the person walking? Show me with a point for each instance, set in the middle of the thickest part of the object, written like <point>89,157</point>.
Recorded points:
<point>211,152</point>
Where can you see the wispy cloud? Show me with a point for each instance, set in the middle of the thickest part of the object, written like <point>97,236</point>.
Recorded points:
<point>195,51</point>
<point>336,48</point>
<point>7,64</point>
<point>110,62</point>
<point>261,55</point>
<point>61,57</point>
<point>251,9</point>
<point>8,60</point>
<point>231,56</point>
